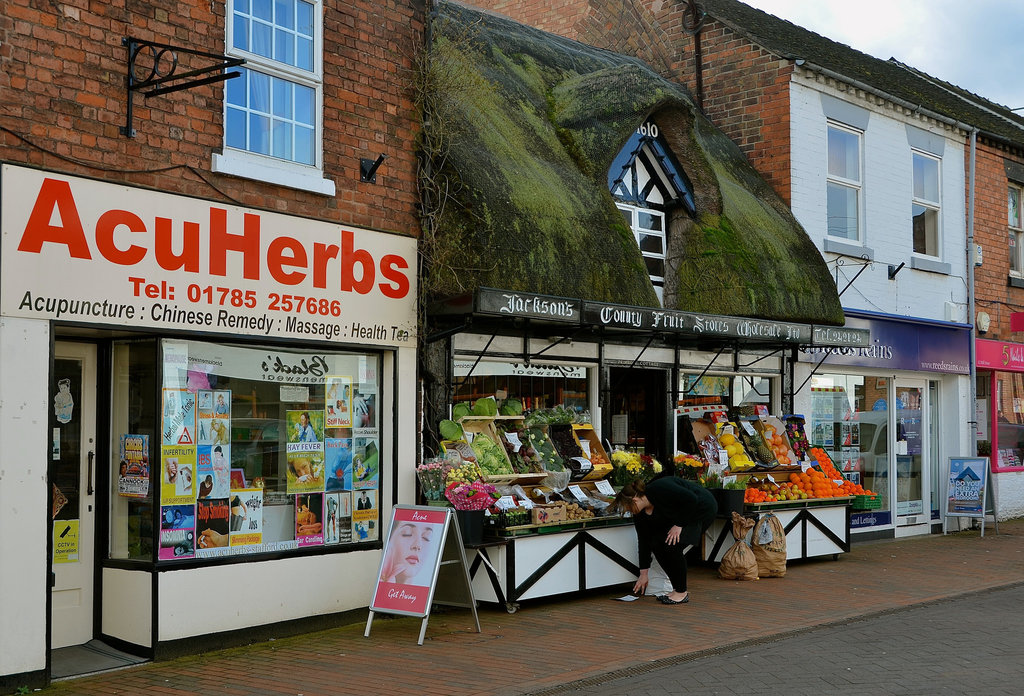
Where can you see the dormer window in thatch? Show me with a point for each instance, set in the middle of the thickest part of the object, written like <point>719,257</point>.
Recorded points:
<point>647,182</point>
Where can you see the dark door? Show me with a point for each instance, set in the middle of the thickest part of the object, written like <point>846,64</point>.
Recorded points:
<point>637,410</point>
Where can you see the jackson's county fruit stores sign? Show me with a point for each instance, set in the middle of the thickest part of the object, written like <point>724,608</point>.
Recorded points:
<point>581,312</point>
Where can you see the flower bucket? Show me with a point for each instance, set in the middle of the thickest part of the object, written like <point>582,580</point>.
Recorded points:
<point>471,526</point>
<point>729,500</point>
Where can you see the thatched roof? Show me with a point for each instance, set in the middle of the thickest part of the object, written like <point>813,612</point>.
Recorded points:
<point>521,127</point>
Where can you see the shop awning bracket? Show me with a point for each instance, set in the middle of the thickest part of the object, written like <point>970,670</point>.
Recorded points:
<point>754,362</point>
<point>721,349</point>
<point>813,372</point>
<point>570,338</point>
<point>477,362</point>
<point>447,333</point>
<point>863,267</point>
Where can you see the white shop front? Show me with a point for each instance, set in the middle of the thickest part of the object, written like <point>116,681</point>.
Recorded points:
<point>200,414</point>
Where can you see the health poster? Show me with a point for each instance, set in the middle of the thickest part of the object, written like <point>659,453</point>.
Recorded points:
<point>178,465</point>
<point>365,463</point>
<point>246,521</point>
<point>213,471</point>
<point>338,457</point>
<point>179,417</point>
<point>177,531</point>
<point>338,401</point>
<point>364,517</point>
<point>305,471</point>
<point>410,562</point>
<point>338,518</point>
<point>309,519</point>
<point>133,467</point>
<point>214,422</point>
<point>305,426</point>
<point>213,523</point>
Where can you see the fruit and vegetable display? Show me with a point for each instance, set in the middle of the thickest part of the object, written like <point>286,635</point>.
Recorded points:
<point>490,456</point>
<point>739,460</point>
<point>542,450</point>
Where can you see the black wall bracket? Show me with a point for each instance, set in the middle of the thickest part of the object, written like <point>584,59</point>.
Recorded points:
<point>368,169</point>
<point>158,66</point>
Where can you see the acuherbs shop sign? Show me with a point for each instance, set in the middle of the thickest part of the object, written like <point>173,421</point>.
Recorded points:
<point>91,252</point>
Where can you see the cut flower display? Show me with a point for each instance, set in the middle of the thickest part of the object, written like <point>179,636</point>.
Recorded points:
<point>475,495</point>
<point>689,466</point>
<point>431,475</point>
<point>632,466</point>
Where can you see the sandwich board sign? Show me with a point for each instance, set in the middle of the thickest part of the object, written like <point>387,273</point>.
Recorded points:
<point>966,488</point>
<point>424,563</point>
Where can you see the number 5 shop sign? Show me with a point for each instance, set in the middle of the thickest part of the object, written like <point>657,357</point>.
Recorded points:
<point>84,251</point>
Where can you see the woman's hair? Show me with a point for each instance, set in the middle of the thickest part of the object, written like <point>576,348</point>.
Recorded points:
<point>624,498</point>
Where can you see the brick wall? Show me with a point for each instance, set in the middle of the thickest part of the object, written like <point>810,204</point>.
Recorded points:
<point>992,293</point>
<point>62,76</point>
<point>746,88</point>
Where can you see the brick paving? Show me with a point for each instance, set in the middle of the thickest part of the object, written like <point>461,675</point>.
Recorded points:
<point>549,644</point>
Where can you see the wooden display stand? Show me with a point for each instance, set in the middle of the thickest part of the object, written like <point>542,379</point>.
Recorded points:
<point>813,528</point>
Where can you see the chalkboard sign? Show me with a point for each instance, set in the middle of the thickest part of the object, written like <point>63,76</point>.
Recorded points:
<point>422,542</point>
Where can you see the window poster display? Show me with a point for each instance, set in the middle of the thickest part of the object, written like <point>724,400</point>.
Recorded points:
<point>212,524</point>
<point>365,516</point>
<point>133,467</point>
<point>265,449</point>
<point>177,531</point>
<point>338,407</point>
<point>309,516</point>
<point>338,518</point>
<point>246,522</point>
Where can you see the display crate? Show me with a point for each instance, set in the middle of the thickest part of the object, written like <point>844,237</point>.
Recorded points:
<point>867,502</point>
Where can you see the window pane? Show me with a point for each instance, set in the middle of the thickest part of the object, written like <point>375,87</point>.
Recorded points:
<point>627,216</point>
<point>842,211</point>
<point>1015,248</point>
<point>649,221</point>
<point>259,92</point>
<point>1013,207</point>
<point>235,92</point>
<point>259,134</point>
<point>843,154</point>
<point>651,244</point>
<point>655,267</point>
<point>263,9</point>
<point>926,178</point>
<point>234,129</point>
<point>304,53</point>
<point>282,98</point>
<point>926,230</point>
<point>241,33</point>
<point>282,139</point>
<point>304,145</point>
<point>261,39</point>
<point>284,14</point>
<point>304,19</point>
<point>284,47</point>
<point>305,99</point>
<point>242,6</point>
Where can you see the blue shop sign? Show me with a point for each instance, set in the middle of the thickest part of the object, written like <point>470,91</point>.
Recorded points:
<point>901,344</point>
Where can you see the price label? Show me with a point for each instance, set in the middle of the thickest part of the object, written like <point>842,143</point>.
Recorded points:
<point>577,493</point>
<point>838,482</point>
<point>469,434</point>
<point>526,504</point>
<point>748,427</point>
<point>723,458</point>
<point>604,486</point>
<point>728,480</point>
<point>585,464</point>
<point>585,446</point>
<point>505,502</point>
<point>513,439</point>
<point>770,478</point>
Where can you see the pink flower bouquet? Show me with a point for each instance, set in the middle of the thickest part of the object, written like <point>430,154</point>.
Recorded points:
<point>471,496</point>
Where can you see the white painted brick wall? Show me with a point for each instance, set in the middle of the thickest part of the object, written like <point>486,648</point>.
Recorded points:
<point>887,180</point>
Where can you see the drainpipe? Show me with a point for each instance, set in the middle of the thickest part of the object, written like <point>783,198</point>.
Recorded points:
<point>970,291</point>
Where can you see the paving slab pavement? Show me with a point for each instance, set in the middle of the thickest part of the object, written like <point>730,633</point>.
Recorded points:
<point>550,643</point>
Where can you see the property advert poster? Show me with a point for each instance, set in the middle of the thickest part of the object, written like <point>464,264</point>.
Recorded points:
<point>89,251</point>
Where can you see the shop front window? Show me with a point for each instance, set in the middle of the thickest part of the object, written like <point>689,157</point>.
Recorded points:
<point>1009,424</point>
<point>731,391</point>
<point>535,385</point>
<point>263,449</point>
<point>850,420</point>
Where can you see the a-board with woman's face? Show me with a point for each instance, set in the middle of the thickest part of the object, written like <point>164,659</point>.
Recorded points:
<point>412,547</point>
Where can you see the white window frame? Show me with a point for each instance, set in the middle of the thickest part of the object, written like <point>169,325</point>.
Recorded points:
<point>1016,230</point>
<point>274,170</point>
<point>634,212</point>
<point>854,184</point>
<point>930,205</point>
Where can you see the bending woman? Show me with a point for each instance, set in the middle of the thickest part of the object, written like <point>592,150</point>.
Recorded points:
<point>670,514</point>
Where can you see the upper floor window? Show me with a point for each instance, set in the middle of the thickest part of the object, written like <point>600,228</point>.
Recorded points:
<point>1016,229</point>
<point>647,182</point>
<point>844,182</point>
<point>272,115</point>
<point>926,205</point>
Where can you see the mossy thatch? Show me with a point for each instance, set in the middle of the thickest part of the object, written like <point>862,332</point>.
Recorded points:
<point>521,127</point>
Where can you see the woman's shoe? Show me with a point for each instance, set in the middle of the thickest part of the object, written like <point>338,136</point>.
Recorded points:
<point>665,599</point>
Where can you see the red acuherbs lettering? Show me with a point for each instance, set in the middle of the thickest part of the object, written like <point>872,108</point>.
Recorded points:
<point>287,260</point>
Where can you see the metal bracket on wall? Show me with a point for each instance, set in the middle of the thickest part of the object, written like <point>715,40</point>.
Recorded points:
<point>151,64</point>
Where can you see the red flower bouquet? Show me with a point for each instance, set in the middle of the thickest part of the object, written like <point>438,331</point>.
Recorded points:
<point>476,495</point>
